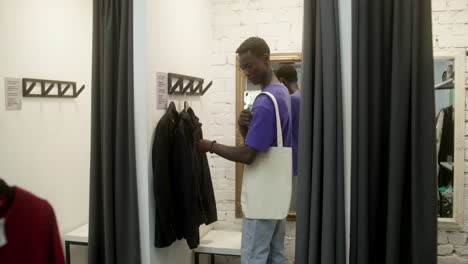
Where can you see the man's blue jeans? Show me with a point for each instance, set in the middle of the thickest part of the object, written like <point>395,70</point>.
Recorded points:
<point>263,241</point>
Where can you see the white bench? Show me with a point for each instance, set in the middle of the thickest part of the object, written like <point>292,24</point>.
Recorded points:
<point>214,242</point>
<point>219,242</point>
<point>77,237</point>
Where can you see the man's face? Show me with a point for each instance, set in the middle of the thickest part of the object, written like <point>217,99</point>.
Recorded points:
<point>255,68</point>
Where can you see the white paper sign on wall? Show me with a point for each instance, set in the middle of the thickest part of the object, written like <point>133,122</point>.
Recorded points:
<point>13,94</point>
<point>161,90</point>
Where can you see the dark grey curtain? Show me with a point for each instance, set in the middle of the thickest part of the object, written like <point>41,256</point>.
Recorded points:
<point>113,216</point>
<point>320,226</point>
<point>393,211</point>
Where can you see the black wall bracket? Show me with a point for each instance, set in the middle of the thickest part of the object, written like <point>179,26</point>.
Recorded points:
<point>181,87</point>
<point>62,88</point>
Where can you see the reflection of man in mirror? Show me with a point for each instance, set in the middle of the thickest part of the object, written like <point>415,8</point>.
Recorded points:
<point>262,240</point>
<point>287,75</point>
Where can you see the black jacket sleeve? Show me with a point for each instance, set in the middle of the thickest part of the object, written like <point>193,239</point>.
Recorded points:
<point>165,233</point>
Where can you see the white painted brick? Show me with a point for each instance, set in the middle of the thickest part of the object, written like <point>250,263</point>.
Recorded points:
<point>461,16</point>
<point>457,41</point>
<point>296,36</point>
<point>226,96</point>
<point>460,29</point>
<point>224,71</point>
<point>241,32</point>
<point>461,250</point>
<point>435,42</point>
<point>218,60</point>
<point>457,238</point>
<point>293,15</point>
<point>228,17</point>
<point>448,260</point>
<point>224,45</point>
<point>439,5</point>
<point>447,17</point>
<point>225,196</point>
<point>442,29</point>
<point>218,32</point>
<point>268,30</point>
<point>287,4</point>
<point>226,206</point>
<point>457,4</point>
<point>442,237</point>
<point>252,17</point>
<point>445,250</point>
<point>226,215</point>
<point>254,5</point>
<point>236,5</point>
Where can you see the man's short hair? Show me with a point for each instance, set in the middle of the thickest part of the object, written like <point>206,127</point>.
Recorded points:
<point>257,46</point>
<point>287,72</point>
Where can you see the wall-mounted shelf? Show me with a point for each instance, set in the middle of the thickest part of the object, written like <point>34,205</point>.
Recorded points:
<point>186,85</point>
<point>50,88</point>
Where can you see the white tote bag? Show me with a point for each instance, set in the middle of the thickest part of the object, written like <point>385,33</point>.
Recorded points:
<point>267,182</point>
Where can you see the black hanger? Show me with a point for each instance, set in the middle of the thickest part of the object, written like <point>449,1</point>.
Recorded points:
<point>4,188</point>
<point>172,107</point>
<point>7,192</point>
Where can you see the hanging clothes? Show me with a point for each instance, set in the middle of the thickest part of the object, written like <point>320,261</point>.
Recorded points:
<point>165,229</point>
<point>29,231</point>
<point>446,148</point>
<point>207,201</point>
<point>178,166</point>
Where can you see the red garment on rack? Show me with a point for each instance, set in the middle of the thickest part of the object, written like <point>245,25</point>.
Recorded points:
<point>31,232</point>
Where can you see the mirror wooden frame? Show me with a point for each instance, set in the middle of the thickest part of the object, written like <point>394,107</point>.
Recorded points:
<point>457,222</point>
<point>240,87</point>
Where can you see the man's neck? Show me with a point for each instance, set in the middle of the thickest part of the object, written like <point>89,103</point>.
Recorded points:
<point>293,88</point>
<point>270,79</point>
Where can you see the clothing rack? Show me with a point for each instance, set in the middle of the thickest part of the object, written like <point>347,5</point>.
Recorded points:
<point>193,87</point>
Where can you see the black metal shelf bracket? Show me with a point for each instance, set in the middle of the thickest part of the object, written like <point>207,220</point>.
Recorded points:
<point>193,87</point>
<point>47,88</point>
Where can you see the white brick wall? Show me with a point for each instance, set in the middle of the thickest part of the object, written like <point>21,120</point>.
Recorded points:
<point>450,30</point>
<point>279,22</point>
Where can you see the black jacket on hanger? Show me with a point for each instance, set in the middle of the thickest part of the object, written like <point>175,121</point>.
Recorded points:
<point>182,180</point>
<point>165,223</point>
<point>191,181</point>
<point>445,176</point>
<point>207,201</point>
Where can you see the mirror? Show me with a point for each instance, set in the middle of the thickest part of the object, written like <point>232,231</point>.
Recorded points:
<point>449,113</point>
<point>245,95</point>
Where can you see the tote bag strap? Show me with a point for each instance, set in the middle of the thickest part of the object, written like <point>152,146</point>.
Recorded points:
<point>279,133</point>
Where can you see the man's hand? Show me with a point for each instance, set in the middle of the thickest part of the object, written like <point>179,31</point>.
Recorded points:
<point>204,146</point>
<point>244,121</point>
<point>244,118</point>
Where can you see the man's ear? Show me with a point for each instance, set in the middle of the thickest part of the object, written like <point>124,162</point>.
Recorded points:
<point>266,59</point>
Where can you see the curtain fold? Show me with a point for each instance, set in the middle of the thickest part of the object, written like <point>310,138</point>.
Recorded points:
<point>113,216</point>
<point>393,192</point>
<point>320,226</point>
